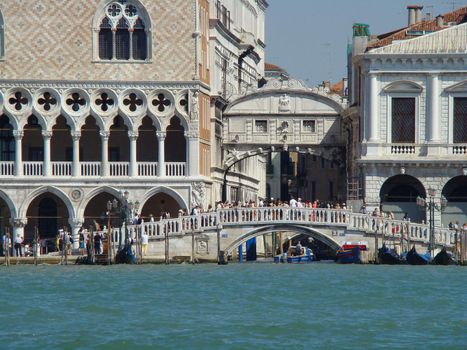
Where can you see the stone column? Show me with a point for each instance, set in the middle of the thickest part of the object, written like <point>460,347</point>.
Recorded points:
<point>133,135</point>
<point>76,172</point>
<point>18,230</point>
<point>161,157</point>
<point>47,170</point>
<point>192,153</point>
<point>373,119</point>
<point>434,124</point>
<point>105,153</point>
<point>18,135</point>
<point>76,225</point>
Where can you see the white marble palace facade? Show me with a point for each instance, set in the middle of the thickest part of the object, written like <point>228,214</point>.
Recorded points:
<point>409,113</point>
<point>102,97</point>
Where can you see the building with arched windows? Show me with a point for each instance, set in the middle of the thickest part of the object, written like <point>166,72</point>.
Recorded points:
<point>102,97</point>
<point>407,123</point>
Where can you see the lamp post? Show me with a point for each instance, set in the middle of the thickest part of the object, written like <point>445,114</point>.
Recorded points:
<point>429,203</point>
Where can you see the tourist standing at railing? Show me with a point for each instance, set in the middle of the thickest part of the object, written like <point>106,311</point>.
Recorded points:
<point>97,243</point>
<point>144,242</point>
<point>81,241</point>
<point>18,242</point>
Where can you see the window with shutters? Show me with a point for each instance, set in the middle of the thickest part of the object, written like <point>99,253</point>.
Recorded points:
<point>460,120</point>
<point>403,120</point>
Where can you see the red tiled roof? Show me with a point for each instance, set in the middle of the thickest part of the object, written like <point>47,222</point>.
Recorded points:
<point>270,66</point>
<point>458,16</point>
<point>338,88</point>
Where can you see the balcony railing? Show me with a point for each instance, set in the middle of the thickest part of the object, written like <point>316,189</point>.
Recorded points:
<point>62,168</point>
<point>94,169</point>
<point>405,149</point>
<point>7,168</point>
<point>32,168</point>
<point>119,168</point>
<point>459,149</point>
<point>90,168</point>
<point>147,169</point>
<point>175,169</point>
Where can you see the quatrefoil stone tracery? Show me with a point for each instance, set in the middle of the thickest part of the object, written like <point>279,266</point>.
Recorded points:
<point>114,10</point>
<point>47,101</point>
<point>184,102</point>
<point>18,100</point>
<point>75,101</point>
<point>105,102</point>
<point>133,102</point>
<point>161,102</point>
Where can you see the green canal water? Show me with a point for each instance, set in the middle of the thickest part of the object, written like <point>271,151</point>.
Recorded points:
<point>239,306</point>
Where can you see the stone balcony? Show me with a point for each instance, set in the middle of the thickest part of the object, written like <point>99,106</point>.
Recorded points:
<point>93,169</point>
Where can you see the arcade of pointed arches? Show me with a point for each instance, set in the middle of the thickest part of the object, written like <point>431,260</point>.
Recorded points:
<point>49,209</point>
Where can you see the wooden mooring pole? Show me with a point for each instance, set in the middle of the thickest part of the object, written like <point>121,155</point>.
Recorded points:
<point>166,245</point>
<point>36,245</point>
<point>192,246</point>
<point>6,248</point>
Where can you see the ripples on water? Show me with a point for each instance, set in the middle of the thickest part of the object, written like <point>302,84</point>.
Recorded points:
<point>239,306</point>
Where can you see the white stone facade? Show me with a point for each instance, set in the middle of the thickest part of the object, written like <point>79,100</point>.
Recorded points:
<point>430,71</point>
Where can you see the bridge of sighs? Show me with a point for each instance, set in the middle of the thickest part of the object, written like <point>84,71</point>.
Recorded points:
<point>284,115</point>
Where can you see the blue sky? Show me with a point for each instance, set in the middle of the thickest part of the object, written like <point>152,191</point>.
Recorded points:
<point>309,37</point>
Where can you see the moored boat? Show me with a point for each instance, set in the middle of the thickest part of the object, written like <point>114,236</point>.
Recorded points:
<point>349,256</point>
<point>414,258</point>
<point>305,256</point>
<point>444,258</point>
<point>388,256</point>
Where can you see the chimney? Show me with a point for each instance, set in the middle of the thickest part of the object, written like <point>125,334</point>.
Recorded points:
<point>415,14</point>
<point>439,21</point>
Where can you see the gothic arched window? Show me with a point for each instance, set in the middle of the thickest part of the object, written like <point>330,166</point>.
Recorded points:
<point>105,40</point>
<point>122,30</point>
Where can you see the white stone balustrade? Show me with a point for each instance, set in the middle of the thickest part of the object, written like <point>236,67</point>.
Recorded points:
<point>7,168</point>
<point>90,168</point>
<point>33,168</point>
<point>62,168</point>
<point>147,169</point>
<point>119,168</point>
<point>384,227</point>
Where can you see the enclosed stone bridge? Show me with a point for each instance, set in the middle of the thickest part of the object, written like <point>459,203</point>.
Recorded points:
<point>284,115</point>
<point>205,236</point>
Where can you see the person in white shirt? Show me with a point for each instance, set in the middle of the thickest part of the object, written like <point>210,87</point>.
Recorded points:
<point>144,242</point>
<point>18,242</point>
<point>293,203</point>
<point>299,203</point>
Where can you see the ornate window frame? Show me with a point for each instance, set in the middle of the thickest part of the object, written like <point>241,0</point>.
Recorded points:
<point>402,89</point>
<point>455,91</point>
<point>102,13</point>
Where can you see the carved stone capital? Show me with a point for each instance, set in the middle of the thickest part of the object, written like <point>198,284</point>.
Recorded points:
<point>76,135</point>
<point>46,134</point>
<point>191,135</point>
<point>76,222</point>
<point>18,134</point>
<point>161,135</point>
<point>133,135</point>
<point>19,222</point>
<point>105,135</point>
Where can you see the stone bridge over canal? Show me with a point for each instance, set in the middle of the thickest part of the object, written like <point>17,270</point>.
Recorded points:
<point>204,236</point>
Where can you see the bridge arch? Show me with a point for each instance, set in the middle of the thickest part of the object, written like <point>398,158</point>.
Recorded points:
<point>298,229</point>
